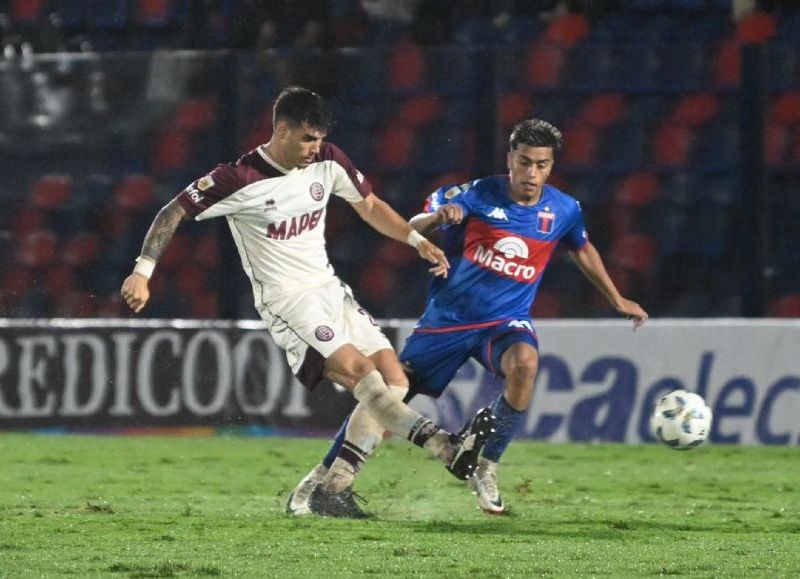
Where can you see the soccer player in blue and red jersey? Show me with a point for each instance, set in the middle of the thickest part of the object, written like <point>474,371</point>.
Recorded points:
<point>498,234</point>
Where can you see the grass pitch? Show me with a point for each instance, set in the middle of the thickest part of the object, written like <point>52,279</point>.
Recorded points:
<point>177,507</point>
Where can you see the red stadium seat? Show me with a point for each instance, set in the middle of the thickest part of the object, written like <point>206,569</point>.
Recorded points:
<point>547,305</point>
<point>776,143</point>
<point>395,146</point>
<point>757,27</point>
<point>135,191</point>
<point>376,281</point>
<point>195,113</point>
<point>635,252</point>
<point>17,280</point>
<point>727,64</point>
<point>204,305</point>
<point>406,67</point>
<point>421,111</point>
<point>513,108</point>
<point>58,280</point>
<point>672,146</point>
<point>153,12</point>
<point>580,146</point>
<point>787,306</point>
<point>28,219</point>
<point>637,190</point>
<point>171,150</point>
<point>603,110</point>
<point>26,10</point>
<point>544,65</point>
<point>567,30</point>
<point>51,191</point>
<point>38,248</point>
<point>82,249</point>
<point>696,110</point>
<point>785,110</point>
<point>397,254</point>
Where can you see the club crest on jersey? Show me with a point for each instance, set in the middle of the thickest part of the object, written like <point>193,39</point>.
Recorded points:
<point>324,333</point>
<point>545,221</point>
<point>317,191</point>
<point>204,183</point>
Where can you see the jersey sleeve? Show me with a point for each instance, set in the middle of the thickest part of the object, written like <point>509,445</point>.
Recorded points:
<point>349,183</point>
<point>448,194</point>
<point>210,190</point>
<point>576,236</point>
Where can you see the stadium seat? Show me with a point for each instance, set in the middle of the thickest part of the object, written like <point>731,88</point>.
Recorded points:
<point>696,109</point>
<point>635,252</point>
<point>406,68</point>
<point>785,108</point>
<point>671,146</point>
<point>38,248</point>
<point>420,111</point>
<point>395,146</point>
<point>637,190</point>
<point>545,63</point>
<point>580,146</point>
<point>513,108</point>
<point>603,110</point>
<point>171,151</point>
<point>195,113</point>
<point>26,10</point>
<point>786,306</point>
<point>546,305</point>
<point>567,30</point>
<point>135,192</point>
<point>156,13</point>
<point>776,145</point>
<point>51,191</point>
<point>82,249</point>
<point>726,64</point>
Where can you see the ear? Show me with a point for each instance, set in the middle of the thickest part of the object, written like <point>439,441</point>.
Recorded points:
<point>508,160</point>
<point>281,129</point>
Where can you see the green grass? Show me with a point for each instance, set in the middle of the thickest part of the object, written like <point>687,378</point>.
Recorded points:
<point>176,507</point>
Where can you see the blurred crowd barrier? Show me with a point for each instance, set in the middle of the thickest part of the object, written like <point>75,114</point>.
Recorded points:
<point>93,144</point>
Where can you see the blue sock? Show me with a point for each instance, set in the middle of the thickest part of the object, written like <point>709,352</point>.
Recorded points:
<point>508,421</point>
<point>333,451</point>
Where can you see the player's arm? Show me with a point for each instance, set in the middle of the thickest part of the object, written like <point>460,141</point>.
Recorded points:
<point>591,265</point>
<point>381,217</point>
<point>135,287</point>
<point>446,214</point>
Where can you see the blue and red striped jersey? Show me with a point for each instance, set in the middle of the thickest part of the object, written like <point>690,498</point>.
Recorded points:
<point>499,252</point>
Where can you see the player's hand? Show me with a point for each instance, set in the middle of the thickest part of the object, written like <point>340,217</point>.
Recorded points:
<point>449,213</point>
<point>135,291</point>
<point>634,312</point>
<point>430,252</point>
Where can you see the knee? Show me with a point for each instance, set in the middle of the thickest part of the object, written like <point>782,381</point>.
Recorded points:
<point>521,369</point>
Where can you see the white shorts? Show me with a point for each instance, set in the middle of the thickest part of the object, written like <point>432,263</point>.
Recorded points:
<point>312,324</point>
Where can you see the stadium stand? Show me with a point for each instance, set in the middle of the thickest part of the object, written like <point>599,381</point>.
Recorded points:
<point>645,92</point>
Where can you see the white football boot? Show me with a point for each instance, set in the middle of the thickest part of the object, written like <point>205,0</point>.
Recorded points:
<point>300,499</point>
<point>484,484</point>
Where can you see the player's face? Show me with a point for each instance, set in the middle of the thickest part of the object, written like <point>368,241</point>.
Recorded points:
<point>298,144</point>
<point>528,170</point>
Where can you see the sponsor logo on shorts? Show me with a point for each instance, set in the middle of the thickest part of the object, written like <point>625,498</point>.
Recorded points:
<point>324,333</point>
<point>317,191</point>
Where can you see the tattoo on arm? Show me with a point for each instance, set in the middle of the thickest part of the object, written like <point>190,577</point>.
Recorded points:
<point>162,229</point>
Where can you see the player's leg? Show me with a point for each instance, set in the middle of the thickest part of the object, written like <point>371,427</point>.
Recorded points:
<point>519,362</point>
<point>359,432</point>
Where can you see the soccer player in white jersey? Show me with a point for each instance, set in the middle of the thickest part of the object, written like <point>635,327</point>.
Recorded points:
<point>274,199</point>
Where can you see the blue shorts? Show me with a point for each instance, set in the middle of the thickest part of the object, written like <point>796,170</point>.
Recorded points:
<point>432,357</point>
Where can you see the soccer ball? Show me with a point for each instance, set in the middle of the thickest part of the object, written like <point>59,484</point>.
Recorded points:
<point>681,420</point>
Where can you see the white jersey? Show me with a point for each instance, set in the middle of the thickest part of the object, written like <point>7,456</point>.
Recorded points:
<point>277,216</point>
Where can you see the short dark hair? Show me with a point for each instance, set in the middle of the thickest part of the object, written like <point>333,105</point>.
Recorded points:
<point>297,105</point>
<point>535,133</point>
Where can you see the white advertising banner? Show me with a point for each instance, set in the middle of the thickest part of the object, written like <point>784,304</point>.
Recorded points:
<point>598,380</point>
